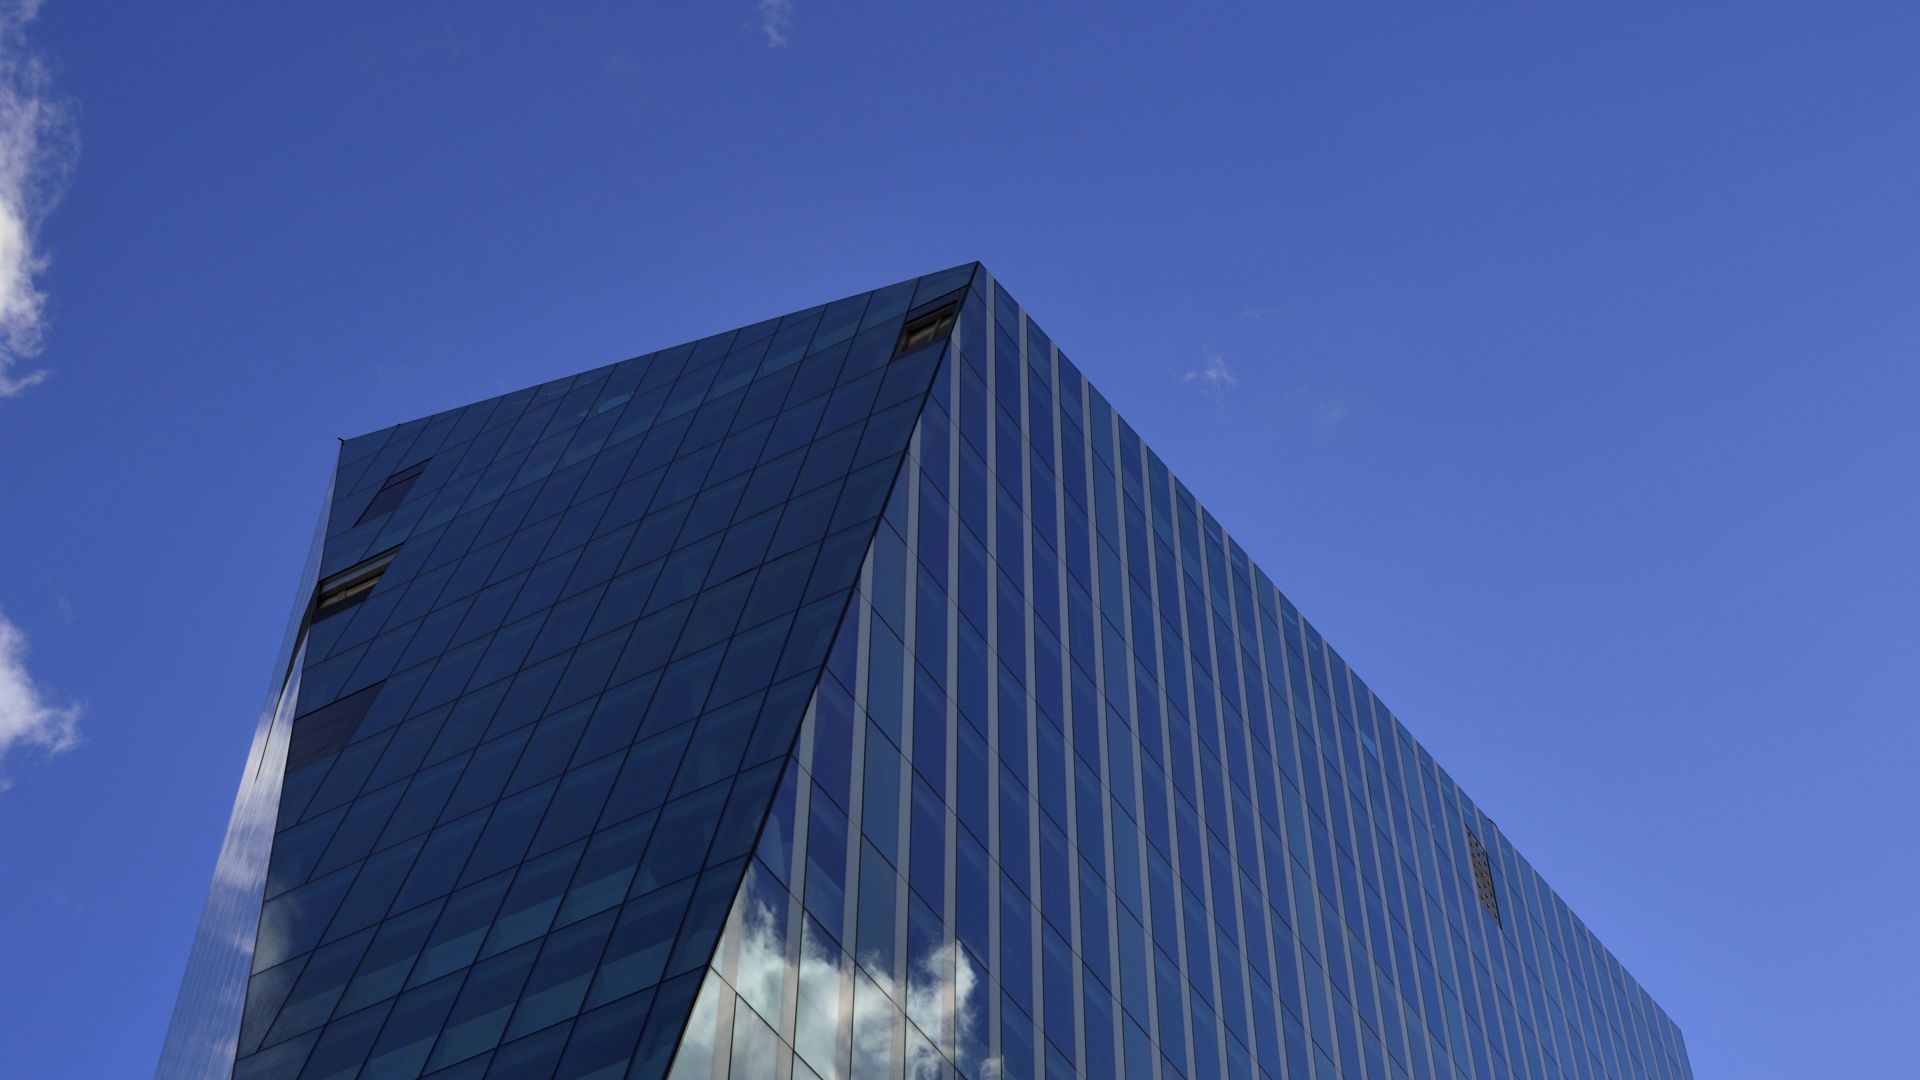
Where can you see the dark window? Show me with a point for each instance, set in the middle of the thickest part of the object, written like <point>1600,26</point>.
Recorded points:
<point>329,727</point>
<point>927,328</point>
<point>350,586</point>
<point>392,493</point>
<point>1483,876</point>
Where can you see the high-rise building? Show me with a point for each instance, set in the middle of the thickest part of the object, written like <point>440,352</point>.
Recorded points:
<point>852,694</point>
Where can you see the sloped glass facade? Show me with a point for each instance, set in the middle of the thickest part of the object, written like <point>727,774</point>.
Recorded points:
<point>849,695</point>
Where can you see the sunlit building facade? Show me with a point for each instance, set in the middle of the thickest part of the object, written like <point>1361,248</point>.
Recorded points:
<point>853,694</point>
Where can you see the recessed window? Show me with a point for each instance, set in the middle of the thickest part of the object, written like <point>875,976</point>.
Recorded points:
<point>350,586</point>
<point>329,727</point>
<point>926,329</point>
<point>1483,876</point>
<point>392,493</point>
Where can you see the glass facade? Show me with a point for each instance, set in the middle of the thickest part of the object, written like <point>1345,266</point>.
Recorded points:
<point>854,694</point>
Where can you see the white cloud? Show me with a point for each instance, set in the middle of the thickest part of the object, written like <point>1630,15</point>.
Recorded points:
<point>945,999</point>
<point>36,150</point>
<point>775,17</point>
<point>1213,375</point>
<point>1259,312</point>
<point>27,718</point>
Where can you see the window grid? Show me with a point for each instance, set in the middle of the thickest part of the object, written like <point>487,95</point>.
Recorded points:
<point>1078,791</point>
<point>1386,1023</point>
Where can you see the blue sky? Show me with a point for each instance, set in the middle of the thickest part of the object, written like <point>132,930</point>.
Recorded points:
<point>1560,363</point>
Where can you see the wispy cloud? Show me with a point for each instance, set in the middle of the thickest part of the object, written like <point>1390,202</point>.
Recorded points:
<point>37,147</point>
<point>27,718</point>
<point>1260,311</point>
<point>1213,376</point>
<point>62,607</point>
<point>59,897</point>
<point>776,16</point>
